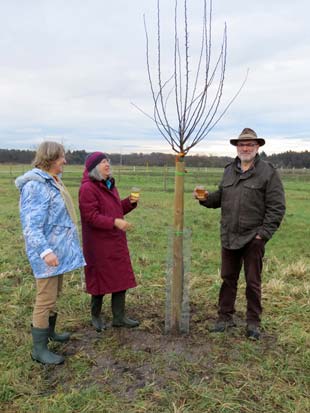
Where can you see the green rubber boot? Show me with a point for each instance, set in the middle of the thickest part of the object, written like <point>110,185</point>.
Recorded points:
<point>118,311</point>
<point>95,307</point>
<point>52,335</point>
<point>40,352</point>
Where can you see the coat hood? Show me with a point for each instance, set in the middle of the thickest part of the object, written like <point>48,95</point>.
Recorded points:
<point>35,174</point>
<point>85,177</point>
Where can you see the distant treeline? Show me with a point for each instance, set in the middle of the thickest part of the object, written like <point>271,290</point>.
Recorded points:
<point>288,159</point>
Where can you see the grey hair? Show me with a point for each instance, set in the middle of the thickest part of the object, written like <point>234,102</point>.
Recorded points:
<point>95,174</point>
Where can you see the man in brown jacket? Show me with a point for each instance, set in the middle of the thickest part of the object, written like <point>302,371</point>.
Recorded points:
<point>252,202</point>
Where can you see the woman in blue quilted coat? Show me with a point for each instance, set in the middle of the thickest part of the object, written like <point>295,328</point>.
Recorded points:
<point>52,245</point>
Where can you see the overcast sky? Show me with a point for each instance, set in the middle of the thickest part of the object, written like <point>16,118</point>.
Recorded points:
<point>71,69</point>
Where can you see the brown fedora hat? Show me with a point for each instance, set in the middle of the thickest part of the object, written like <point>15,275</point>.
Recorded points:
<point>248,135</point>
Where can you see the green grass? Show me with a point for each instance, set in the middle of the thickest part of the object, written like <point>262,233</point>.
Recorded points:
<point>144,370</point>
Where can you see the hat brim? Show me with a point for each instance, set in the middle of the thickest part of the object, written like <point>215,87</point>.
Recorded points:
<point>260,141</point>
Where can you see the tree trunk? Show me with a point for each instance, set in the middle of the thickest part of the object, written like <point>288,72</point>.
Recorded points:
<point>178,263</point>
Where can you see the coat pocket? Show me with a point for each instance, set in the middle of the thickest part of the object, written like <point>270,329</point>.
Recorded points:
<point>254,194</point>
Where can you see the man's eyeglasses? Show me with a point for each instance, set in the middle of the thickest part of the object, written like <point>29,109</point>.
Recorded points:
<point>246,145</point>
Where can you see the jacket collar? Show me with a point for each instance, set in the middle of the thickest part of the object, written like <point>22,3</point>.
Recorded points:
<point>34,174</point>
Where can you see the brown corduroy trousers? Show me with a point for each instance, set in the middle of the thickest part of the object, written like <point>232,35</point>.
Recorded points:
<point>251,256</point>
<point>48,289</point>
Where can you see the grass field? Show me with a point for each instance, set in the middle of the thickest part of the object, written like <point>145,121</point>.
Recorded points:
<point>144,370</point>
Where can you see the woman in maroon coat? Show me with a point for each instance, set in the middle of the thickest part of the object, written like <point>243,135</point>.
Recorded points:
<point>108,269</point>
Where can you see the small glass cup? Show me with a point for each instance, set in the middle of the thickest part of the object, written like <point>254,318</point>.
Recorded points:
<point>135,193</point>
<point>201,192</point>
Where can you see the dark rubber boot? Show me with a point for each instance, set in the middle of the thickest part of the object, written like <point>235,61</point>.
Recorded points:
<point>40,352</point>
<point>118,311</point>
<point>52,335</point>
<point>253,332</point>
<point>96,306</point>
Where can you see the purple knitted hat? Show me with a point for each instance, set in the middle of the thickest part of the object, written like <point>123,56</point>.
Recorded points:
<point>93,159</point>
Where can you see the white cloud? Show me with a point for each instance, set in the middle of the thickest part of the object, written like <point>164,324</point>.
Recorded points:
<point>70,71</point>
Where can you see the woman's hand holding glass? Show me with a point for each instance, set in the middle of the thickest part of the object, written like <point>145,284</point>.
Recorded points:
<point>134,195</point>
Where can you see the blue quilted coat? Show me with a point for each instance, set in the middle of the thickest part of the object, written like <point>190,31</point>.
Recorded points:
<point>47,225</point>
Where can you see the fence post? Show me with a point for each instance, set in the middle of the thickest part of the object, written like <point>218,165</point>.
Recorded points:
<point>165,177</point>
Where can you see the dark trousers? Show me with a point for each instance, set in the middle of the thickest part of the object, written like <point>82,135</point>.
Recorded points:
<point>251,256</point>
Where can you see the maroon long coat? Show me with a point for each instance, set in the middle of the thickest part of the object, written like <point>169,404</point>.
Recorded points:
<point>105,247</point>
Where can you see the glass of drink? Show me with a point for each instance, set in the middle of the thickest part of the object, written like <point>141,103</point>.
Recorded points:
<point>200,191</point>
<point>135,193</point>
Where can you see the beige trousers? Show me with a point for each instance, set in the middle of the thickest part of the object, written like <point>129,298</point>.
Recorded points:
<point>48,289</point>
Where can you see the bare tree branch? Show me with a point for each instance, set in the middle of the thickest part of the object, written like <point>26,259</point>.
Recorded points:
<point>177,76</point>
<point>196,112</point>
